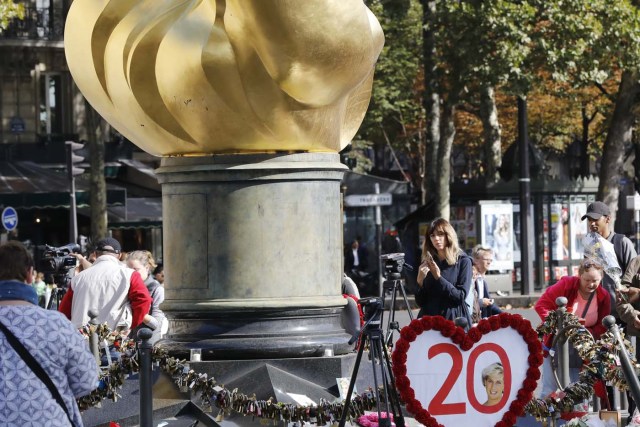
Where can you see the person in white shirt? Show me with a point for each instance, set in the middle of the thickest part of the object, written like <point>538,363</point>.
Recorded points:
<point>482,259</point>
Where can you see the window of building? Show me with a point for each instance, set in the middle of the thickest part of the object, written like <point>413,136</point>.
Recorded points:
<point>51,95</point>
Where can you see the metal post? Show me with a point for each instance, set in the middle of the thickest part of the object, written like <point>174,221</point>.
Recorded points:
<point>609,322</point>
<point>526,243</point>
<point>563,346</point>
<point>93,337</point>
<point>379,242</point>
<point>73,217</point>
<point>146,394</point>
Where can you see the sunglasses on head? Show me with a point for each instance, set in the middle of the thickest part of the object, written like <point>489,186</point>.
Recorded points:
<point>591,264</point>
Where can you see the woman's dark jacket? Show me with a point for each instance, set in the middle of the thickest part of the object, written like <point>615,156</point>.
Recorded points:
<point>446,296</point>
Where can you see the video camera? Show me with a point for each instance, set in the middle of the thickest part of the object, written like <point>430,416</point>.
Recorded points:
<point>393,264</point>
<point>57,262</point>
<point>372,307</point>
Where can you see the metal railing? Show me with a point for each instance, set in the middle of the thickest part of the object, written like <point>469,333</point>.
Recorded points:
<point>145,350</point>
<point>38,24</point>
<point>620,399</point>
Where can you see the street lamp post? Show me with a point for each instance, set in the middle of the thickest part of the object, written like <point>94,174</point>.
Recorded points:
<point>526,244</point>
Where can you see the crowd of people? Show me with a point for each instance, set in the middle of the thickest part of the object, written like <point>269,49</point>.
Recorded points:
<point>452,284</point>
<point>47,363</point>
<point>126,291</point>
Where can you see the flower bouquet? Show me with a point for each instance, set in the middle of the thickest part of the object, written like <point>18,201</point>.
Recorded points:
<point>600,250</point>
<point>589,420</point>
<point>371,419</point>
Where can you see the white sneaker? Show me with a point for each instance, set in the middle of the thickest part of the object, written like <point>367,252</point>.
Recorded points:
<point>501,294</point>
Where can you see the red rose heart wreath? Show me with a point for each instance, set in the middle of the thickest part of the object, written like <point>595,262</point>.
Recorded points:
<point>466,341</point>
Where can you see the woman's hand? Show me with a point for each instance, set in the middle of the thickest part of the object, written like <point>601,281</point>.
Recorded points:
<point>433,267</point>
<point>422,273</point>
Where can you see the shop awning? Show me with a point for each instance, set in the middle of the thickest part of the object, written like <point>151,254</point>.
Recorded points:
<point>139,212</point>
<point>27,185</point>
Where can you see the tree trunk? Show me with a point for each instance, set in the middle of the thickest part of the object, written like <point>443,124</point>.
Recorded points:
<point>96,136</point>
<point>584,144</point>
<point>447,135</point>
<point>620,134</point>
<point>491,132</point>
<point>431,101</point>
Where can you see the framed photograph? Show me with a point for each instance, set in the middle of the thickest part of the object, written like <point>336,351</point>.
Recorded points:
<point>611,418</point>
<point>496,232</point>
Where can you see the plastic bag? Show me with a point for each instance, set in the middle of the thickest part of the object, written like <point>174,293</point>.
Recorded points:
<point>601,251</point>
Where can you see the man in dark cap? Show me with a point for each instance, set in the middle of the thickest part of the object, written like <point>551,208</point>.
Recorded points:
<point>598,217</point>
<point>117,292</point>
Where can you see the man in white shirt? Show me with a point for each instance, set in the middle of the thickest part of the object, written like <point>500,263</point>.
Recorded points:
<point>482,259</point>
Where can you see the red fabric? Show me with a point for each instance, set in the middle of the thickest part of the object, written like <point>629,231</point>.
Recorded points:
<point>568,287</point>
<point>65,304</point>
<point>600,390</point>
<point>357,301</point>
<point>139,299</point>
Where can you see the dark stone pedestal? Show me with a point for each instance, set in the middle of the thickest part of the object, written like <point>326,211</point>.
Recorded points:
<point>253,255</point>
<point>259,334</point>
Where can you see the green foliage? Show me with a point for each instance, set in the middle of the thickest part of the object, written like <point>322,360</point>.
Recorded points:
<point>8,11</point>
<point>586,41</point>
<point>482,41</point>
<point>395,107</point>
<point>555,52</point>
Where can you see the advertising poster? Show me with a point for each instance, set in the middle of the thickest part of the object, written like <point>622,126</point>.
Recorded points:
<point>456,386</point>
<point>463,220</point>
<point>497,233</point>
<point>516,231</point>
<point>560,271</point>
<point>578,229</point>
<point>559,232</point>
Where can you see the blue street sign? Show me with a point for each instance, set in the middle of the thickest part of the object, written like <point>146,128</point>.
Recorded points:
<point>17,125</point>
<point>9,218</point>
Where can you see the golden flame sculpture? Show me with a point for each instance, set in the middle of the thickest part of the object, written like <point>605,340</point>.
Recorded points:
<point>196,77</point>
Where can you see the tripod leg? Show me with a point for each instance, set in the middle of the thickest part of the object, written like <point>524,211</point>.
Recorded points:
<point>395,399</point>
<point>352,383</point>
<point>406,301</point>
<point>376,347</point>
<point>392,317</point>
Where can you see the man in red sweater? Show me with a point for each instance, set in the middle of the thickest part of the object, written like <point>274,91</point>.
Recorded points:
<point>117,293</point>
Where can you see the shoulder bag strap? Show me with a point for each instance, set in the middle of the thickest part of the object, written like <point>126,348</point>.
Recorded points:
<point>586,307</point>
<point>36,368</point>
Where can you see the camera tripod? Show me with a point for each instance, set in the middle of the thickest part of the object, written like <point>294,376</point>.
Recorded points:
<point>56,297</point>
<point>372,333</point>
<point>394,284</point>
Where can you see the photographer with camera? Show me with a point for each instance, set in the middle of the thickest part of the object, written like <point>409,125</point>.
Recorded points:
<point>46,363</point>
<point>445,275</point>
<point>116,291</point>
